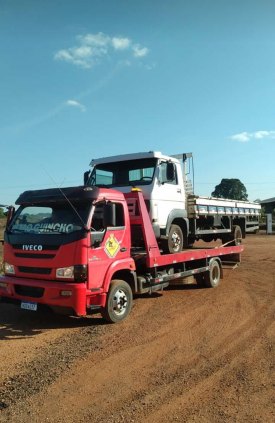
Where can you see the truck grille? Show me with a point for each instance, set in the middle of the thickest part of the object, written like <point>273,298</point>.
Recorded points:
<point>35,270</point>
<point>35,256</point>
<point>29,291</point>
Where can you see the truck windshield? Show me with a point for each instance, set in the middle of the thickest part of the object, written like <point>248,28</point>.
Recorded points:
<point>54,219</point>
<point>124,173</point>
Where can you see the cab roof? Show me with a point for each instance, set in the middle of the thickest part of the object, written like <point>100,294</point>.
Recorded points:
<point>132,156</point>
<point>71,194</point>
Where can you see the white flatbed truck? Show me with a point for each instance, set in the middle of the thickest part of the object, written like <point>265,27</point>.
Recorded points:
<point>179,217</point>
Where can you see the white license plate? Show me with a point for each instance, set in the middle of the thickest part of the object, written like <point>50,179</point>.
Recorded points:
<point>29,306</point>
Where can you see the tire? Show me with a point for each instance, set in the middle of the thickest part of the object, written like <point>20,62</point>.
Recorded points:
<point>213,276</point>
<point>119,301</point>
<point>236,235</point>
<point>174,243</point>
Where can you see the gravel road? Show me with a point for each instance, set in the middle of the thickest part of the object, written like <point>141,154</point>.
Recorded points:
<point>186,355</point>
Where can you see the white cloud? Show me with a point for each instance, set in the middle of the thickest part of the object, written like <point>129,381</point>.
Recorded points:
<point>83,52</point>
<point>257,135</point>
<point>242,137</point>
<point>263,134</point>
<point>74,103</point>
<point>80,56</point>
<point>93,48</point>
<point>63,55</point>
<point>120,43</point>
<point>99,39</point>
<point>140,51</point>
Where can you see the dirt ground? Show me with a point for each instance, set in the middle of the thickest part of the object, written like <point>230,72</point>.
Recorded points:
<point>186,355</point>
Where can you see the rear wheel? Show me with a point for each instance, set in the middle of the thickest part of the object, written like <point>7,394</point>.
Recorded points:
<point>119,301</point>
<point>236,235</point>
<point>233,238</point>
<point>213,276</point>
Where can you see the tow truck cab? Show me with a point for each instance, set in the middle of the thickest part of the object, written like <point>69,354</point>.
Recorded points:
<point>72,242</point>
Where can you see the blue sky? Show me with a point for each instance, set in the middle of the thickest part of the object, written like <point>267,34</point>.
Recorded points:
<point>89,78</point>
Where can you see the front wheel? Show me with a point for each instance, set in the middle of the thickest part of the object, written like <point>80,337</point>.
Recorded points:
<point>174,243</point>
<point>119,301</point>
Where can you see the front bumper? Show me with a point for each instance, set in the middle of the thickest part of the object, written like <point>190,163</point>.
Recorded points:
<point>48,293</point>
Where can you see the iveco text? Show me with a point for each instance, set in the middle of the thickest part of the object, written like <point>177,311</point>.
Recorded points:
<point>30,247</point>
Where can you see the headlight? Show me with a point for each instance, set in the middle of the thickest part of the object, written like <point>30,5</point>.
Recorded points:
<point>8,268</point>
<point>65,272</point>
<point>76,273</point>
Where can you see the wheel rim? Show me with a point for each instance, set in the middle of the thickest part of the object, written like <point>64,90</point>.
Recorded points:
<point>237,236</point>
<point>215,274</point>
<point>176,241</point>
<point>120,302</point>
<point>238,239</point>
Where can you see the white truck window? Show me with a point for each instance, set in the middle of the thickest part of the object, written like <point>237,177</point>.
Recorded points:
<point>125,173</point>
<point>163,174</point>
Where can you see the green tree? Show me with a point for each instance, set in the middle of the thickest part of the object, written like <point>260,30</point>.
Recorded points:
<point>1,213</point>
<point>230,188</point>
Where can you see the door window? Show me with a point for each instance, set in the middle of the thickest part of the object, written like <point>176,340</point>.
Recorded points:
<point>163,175</point>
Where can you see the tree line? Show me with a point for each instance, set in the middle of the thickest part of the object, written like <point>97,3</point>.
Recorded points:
<point>232,189</point>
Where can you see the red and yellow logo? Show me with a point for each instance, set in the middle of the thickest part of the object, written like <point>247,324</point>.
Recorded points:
<point>111,246</point>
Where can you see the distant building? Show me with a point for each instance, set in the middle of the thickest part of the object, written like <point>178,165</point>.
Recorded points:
<point>269,206</point>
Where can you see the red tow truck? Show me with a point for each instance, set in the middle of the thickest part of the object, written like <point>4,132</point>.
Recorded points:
<point>87,249</point>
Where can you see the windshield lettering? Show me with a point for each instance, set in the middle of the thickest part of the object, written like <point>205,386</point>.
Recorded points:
<point>57,219</point>
<point>44,227</point>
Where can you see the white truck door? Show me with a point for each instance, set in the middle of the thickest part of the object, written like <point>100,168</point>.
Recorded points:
<point>168,194</point>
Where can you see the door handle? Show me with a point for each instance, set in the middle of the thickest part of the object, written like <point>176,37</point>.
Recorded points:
<point>178,190</point>
<point>123,249</point>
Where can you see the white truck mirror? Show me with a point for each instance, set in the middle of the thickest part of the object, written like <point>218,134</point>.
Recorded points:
<point>170,172</point>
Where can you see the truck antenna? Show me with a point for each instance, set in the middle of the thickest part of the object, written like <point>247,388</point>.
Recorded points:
<point>67,199</point>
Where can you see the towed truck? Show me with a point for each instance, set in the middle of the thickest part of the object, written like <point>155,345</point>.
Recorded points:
<point>179,217</point>
<point>74,250</point>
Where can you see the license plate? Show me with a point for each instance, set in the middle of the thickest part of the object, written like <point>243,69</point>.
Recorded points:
<point>29,306</point>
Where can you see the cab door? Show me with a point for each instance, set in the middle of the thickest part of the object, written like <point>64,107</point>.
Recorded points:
<point>169,194</point>
<point>109,241</point>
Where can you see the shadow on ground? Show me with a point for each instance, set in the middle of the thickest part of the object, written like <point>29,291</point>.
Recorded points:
<point>17,324</point>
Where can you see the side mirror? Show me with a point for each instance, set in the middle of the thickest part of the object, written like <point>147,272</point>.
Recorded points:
<point>86,177</point>
<point>97,238</point>
<point>10,215</point>
<point>170,171</point>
